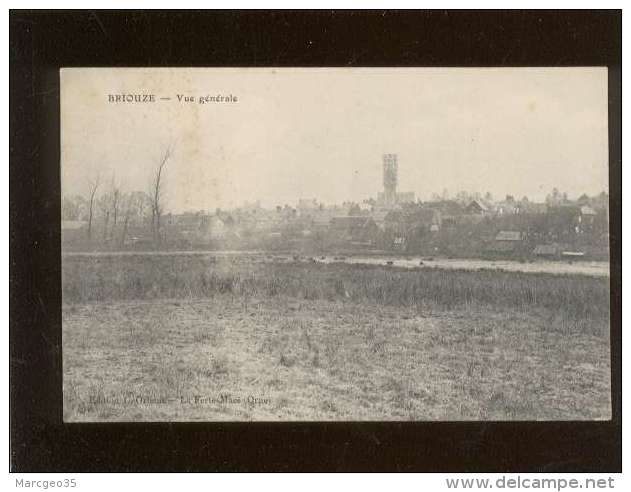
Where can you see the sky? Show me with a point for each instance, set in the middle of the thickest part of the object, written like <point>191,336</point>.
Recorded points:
<point>321,132</point>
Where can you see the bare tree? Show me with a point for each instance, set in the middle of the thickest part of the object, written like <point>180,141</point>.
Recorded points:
<point>128,206</point>
<point>94,185</point>
<point>132,207</point>
<point>115,200</point>
<point>157,193</point>
<point>141,206</point>
<point>105,203</point>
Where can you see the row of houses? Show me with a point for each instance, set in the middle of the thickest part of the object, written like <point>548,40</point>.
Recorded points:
<point>441,226</point>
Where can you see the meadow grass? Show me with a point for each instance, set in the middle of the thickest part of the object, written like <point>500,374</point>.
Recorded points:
<point>330,341</point>
<point>570,298</point>
<point>326,360</point>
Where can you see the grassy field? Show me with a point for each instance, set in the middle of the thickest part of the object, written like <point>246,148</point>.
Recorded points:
<point>189,338</point>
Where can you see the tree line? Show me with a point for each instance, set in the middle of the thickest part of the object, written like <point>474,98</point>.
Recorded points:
<point>115,209</point>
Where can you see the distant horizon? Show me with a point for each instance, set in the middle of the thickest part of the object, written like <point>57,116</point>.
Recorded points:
<point>281,135</point>
<point>252,203</point>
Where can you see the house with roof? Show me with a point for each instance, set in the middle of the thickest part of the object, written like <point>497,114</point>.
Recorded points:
<point>477,207</point>
<point>586,218</point>
<point>505,243</point>
<point>450,211</point>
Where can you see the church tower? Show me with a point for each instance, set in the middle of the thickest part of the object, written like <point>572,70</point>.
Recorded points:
<point>390,171</point>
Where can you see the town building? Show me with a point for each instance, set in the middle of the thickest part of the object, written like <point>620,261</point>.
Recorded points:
<point>390,198</point>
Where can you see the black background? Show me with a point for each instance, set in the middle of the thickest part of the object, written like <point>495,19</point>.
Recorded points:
<point>42,42</point>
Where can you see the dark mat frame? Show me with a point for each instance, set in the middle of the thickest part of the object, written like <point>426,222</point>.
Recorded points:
<point>42,42</point>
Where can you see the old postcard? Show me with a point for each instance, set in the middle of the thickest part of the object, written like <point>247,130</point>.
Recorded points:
<point>335,244</point>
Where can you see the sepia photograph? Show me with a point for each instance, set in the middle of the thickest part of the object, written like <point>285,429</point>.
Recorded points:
<point>335,244</point>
